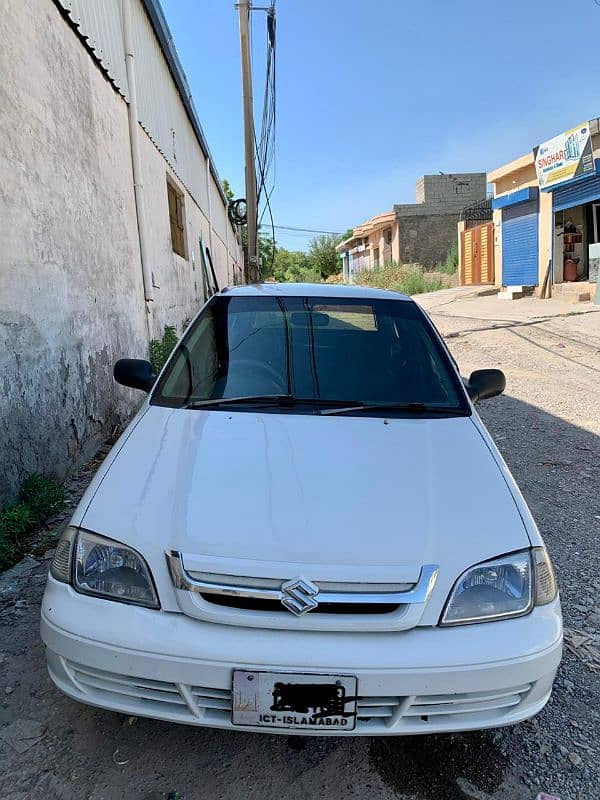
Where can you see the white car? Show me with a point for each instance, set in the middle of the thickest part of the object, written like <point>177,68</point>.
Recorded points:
<point>306,529</point>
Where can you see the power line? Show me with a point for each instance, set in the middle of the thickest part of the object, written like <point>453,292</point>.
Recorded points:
<point>265,146</point>
<point>306,230</point>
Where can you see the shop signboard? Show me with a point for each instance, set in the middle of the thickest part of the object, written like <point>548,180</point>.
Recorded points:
<point>564,158</point>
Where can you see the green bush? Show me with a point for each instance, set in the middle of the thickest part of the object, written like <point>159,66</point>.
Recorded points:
<point>43,497</point>
<point>161,349</point>
<point>401,278</point>
<point>15,521</point>
<point>39,498</point>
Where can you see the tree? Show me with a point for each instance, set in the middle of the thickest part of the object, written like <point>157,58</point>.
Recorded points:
<point>294,266</point>
<point>323,256</point>
<point>267,253</point>
<point>227,189</point>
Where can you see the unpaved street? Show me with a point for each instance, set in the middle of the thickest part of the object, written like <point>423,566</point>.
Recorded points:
<point>548,428</point>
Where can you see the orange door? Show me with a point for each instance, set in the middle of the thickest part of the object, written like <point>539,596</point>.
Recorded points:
<point>477,246</point>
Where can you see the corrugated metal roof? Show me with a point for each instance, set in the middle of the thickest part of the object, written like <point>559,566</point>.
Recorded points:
<point>100,24</point>
<point>165,104</point>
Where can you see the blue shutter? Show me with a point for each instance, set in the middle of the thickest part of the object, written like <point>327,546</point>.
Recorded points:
<point>520,245</point>
<point>576,194</point>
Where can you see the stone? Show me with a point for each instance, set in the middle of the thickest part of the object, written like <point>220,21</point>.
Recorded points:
<point>575,759</point>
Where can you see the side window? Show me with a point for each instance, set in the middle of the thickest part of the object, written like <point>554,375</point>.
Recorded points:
<point>176,219</point>
<point>195,370</point>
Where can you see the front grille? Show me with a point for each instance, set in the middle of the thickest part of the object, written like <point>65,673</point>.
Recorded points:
<point>256,604</point>
<point>299,602</point>
<point>375,714</point>
<point>445,705</point>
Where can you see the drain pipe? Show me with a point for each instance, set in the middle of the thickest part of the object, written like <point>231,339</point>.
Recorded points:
<point>136,162</point>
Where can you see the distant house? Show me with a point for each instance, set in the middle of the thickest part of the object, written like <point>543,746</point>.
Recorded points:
<point>109,200</point>
<point>420,232</point>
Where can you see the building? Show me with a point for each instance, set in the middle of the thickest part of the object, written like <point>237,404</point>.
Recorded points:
<point>109,192</point>
<point>546,214</point>
<point>421,232</point>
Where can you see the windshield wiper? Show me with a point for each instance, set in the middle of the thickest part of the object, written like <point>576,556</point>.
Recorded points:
<point>410,408</point>
<point>265,399</point>
<point>283,400</point>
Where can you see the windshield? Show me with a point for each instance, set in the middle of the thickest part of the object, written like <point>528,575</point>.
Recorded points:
<point>311,349</point>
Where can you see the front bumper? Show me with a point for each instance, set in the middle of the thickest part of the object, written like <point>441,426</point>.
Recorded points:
<point>428,680</point>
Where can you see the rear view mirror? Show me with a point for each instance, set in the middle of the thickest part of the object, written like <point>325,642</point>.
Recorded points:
<point>134,372</point>
<point>485,383</point>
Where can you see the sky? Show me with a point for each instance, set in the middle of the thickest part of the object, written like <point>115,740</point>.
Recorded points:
<point>372,94</point>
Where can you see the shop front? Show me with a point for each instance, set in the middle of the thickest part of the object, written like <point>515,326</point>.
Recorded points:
<point>566,168</point>
<point>519,232</point>
<point>576,226</point>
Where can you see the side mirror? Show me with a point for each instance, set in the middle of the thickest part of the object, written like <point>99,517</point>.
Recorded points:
<point>485,383</point>
<point>134,372</point>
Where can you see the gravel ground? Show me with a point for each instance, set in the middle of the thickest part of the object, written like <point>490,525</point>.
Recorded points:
<point>548,427</point>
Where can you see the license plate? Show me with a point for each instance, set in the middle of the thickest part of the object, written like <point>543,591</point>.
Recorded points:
<point>306,702</point>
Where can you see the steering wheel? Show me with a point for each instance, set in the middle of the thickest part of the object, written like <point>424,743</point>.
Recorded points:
<point>253,365</point>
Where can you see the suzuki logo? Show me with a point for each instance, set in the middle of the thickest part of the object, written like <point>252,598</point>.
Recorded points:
<point>298,596</point>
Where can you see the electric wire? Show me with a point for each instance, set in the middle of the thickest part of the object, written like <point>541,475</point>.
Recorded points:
<point>265,145</point>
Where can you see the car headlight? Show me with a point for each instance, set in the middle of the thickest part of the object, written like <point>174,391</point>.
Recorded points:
<point>505,587</point>
<point>492,590</point>
<point>102,567</point>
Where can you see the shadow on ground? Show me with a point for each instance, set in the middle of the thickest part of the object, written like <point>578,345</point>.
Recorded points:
<point>439,767</point>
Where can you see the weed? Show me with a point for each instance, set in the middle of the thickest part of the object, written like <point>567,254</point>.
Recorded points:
<point>15,520</point>
<point>161,349</point>
<point>400,277</point>
<point>39,498</point>
<point>450,266</point>
<point>43,497</point>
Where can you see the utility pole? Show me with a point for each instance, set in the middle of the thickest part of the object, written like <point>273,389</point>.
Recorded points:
<point>252,264</point>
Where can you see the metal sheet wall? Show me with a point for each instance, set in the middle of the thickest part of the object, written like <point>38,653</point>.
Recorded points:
<point>100,23</point>
<point>161,110</point>
<point>520,245</point>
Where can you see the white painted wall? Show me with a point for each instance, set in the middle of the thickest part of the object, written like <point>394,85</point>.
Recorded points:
<point>71,294</point>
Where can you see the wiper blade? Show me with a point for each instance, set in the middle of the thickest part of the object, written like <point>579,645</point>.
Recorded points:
<point>410,408</point>
<point>266,399</point>
<point>284,400</point>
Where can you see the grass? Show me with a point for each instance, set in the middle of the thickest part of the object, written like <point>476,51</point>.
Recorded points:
<point>39,498</point>
<point>401,278</point>
<point>450,265</point>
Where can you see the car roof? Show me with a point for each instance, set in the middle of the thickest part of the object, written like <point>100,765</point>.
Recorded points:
<point>314,290</point>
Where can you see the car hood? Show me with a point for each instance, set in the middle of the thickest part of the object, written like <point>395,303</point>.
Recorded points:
<point>279,494</point>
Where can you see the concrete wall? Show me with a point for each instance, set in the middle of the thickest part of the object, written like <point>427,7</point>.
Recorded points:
<point>71,296</point>
<point>426,239</point>
<point>452,192</point>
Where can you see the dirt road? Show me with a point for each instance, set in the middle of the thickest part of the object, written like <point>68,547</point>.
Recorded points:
<point>548,428</point>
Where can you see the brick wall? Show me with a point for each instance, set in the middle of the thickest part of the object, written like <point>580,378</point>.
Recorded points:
<point>426,239</point>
